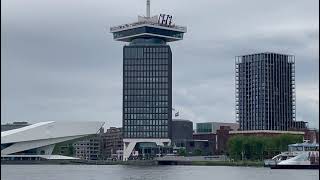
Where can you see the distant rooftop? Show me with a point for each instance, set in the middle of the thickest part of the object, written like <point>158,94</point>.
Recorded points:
<point>266,52</point>
<point>181,120</point>
<point>212,127</point>
<point>266,131</point>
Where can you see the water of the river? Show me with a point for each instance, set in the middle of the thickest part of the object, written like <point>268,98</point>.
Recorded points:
<point>118,172</point>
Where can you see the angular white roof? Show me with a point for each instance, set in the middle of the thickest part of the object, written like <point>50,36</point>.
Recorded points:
<point>45,134</point>
<point>13,131</point>
<point>49,130</point>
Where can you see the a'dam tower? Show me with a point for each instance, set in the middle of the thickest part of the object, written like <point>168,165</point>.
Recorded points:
<point>147,82</point>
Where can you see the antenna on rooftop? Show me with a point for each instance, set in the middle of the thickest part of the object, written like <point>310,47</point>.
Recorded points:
<point>148,8</point>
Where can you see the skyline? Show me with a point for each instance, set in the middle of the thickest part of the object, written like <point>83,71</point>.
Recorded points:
<point>82,80</point>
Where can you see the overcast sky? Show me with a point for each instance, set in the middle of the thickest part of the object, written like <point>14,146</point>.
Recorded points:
<point>59,61</point>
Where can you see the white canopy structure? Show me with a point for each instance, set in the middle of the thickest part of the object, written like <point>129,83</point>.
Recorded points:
<point>42,137</point>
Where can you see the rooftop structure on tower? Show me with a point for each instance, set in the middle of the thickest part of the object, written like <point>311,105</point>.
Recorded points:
<point>147,27</point>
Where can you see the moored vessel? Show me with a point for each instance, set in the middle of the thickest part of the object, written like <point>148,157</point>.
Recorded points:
<point>299,156</point>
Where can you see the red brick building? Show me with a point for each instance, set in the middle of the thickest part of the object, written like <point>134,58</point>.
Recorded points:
<point>211,137</point>
<point>219,139</point>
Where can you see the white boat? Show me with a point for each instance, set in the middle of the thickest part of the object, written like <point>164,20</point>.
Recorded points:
<point>305,160</point>
<point>297,154</point>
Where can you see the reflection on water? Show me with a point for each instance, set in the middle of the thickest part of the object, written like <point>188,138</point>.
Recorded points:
<point>117,172</point>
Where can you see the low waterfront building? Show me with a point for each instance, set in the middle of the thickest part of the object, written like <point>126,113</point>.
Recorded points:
<point>222,137</point>
<point>195,147</point>
<point>182,137</point>
<point>89,148</point>
<point>210,138</point>
<point>181,132</point>
<point>182,129</point>
<point>212,127</point>
<point>112,143</point>
<point>216,133</point>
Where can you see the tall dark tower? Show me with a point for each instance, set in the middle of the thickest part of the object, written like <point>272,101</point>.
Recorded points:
<point>147,79</point>
<point>265,92</point>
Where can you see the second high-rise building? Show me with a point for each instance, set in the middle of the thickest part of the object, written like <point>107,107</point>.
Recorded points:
<point>265,91</point>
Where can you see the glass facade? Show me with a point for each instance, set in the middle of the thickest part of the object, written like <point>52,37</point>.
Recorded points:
<point>147,91</point>
<point>204,127</point>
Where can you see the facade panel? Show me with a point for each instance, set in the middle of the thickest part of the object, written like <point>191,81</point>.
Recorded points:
<point>147,91</point>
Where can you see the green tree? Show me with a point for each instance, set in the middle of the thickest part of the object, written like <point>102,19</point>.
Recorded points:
<point>70,150</point>
<point>197,152</point>
<point>258,148</point>
<point>182,152</point>
<point>235,147</point>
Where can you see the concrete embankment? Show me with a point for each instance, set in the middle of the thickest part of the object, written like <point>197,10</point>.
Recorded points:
<point>81,162</point>
<point>205,161</point>
<point>228,163</point>
<point>131,162</point>
<point>143,162</point>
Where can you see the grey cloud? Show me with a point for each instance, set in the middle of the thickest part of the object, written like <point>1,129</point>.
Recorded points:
<point>59,61</point>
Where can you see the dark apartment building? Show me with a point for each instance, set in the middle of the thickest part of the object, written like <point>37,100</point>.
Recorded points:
<point>265,91</point>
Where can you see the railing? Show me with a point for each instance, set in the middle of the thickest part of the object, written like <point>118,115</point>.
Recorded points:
<point>115,28</point>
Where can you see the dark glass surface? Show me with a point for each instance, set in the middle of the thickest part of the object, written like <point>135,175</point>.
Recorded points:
<point>147,91</point>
